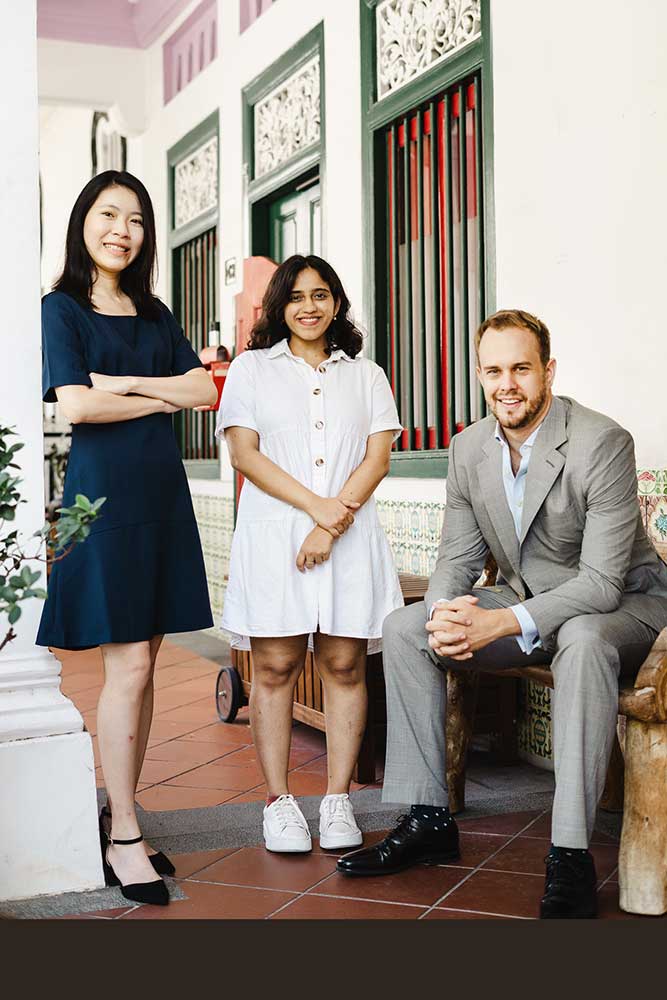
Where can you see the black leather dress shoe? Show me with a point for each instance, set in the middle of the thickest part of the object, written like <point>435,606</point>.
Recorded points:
<point>411,843</point>
<point>569,886</point>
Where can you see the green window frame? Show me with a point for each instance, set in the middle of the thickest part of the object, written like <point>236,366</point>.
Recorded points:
<point>193,280</point>
<point>413,146</point>
<point>304,164</point>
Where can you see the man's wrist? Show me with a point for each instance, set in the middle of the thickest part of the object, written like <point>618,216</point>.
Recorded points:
<point>508,623</point>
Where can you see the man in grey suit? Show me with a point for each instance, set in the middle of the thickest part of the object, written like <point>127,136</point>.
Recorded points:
<point>549,488</point>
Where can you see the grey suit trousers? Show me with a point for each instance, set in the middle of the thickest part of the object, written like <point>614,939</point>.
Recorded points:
<point>590,653</point>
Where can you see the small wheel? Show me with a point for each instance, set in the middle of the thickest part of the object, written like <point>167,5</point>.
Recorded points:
<point>228,694</point>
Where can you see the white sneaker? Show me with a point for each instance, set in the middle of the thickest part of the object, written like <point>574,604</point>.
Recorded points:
<point>338,827</point>
<point>285,827</point>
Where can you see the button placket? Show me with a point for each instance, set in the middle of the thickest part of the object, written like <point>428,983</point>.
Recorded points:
<point>317,442</point>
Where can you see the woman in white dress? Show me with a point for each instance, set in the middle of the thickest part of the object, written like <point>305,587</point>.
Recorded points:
<point>310,426</point>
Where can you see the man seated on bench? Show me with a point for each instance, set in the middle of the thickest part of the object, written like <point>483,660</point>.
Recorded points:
<point>549,488</point>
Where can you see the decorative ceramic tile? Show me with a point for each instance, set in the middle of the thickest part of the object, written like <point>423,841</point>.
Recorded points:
<point>413,530</point>
<point>534,724</point>
<point>215,520</point>
<point>652,482</point>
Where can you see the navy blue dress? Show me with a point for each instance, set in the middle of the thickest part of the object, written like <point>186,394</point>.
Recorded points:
<point>140,572</point>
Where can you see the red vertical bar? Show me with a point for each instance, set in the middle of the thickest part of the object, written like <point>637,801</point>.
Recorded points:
<point>392,263</point>
<point>471,152</point>
<point>444,249</point>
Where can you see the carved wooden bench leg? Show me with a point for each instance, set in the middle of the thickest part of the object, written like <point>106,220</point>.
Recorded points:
<point>461,701</point>
<point>642,870</point>
<point>612,796</point>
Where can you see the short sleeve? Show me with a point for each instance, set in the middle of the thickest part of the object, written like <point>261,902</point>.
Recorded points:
<point>183,355</point>
<point>237,403</point>
<point>384,415</point>
<point>63,358</point>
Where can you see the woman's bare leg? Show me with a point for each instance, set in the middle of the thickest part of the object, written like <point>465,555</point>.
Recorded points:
<point>341,663</point>
<point>277,664</point>
<point>128,671</point>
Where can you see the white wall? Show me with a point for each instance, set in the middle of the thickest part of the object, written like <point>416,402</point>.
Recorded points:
<point>580,168</point>
<point>65,167</point>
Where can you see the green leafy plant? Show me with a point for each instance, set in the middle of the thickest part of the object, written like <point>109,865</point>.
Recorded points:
<point>17,579</point>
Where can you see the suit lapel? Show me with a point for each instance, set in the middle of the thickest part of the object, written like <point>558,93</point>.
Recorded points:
<point>492,490</point>
<point>545,463</point>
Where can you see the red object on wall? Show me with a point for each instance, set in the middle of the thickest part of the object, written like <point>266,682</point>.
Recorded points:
<point>257,272</point>
<point>216,361</point>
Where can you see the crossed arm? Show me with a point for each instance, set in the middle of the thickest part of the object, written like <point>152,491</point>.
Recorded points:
<point>114,398</point>
<point>332,515</point>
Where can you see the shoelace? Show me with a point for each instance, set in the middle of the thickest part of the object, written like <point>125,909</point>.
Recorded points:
<point>337,809</point>
<point>562,872</point>
<point>287,812</point>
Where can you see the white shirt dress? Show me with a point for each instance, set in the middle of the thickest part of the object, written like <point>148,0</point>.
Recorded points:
<point>315,425</point>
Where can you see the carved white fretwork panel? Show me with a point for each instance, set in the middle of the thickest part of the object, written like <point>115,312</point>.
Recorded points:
<point>196,183</point>
<point>412,35</point>
<point>287,120</point>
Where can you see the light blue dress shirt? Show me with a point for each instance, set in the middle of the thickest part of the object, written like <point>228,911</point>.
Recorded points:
<point>515,488</point>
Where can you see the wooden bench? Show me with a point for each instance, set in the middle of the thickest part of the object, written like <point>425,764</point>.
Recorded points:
<point>496,703</point>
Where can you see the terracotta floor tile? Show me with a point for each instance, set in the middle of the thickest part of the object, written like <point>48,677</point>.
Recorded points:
<point>157,771</point>
<point>509,823</point>
<point>498,892</point>
<point>170,653</point>
<point>477,847</point>
<point>370,838</point>
<point>215,902</point>
<point>77,683</point>
<point>189,864</point>
<point>87,700</point>
<point>90,722</point>
<point>420,885</point>
<point>257,794</point>
<point>442,914</point>
<point>220,775</point>
<point>180,672</point>
<point>202,712</point>
<point>527,854</point>
<point>165,797</point>
<point>313,907</point>
<point>258,867</point>
<point>237,733</point>
<point>608,908</point>
<point>182,751</point>
<point>166,730</point>
<point>303,783</point>
<point>542,828</point>
<point>297,757</point>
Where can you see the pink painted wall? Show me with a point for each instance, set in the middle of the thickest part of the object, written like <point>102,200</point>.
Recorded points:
<point>107,22</point>
<point>251,10</point>
<point>190,49</point>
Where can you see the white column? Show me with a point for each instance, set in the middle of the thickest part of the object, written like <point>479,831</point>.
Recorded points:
<point>47,775</point>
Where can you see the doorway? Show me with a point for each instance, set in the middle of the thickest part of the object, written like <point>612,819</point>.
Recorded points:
<point>289,221</point>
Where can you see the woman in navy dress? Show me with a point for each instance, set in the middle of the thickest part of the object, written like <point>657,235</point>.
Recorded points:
<point>119,365</point>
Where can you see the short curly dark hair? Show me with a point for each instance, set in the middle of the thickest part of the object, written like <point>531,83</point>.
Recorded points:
<point>271,327</point>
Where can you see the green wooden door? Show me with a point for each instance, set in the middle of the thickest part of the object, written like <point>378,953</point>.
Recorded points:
<point>295,224</point>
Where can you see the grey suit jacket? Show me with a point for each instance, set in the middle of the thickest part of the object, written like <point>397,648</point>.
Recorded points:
<point>582,549</point>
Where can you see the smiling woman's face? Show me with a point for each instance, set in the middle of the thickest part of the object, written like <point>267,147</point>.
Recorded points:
<point>113,230</point>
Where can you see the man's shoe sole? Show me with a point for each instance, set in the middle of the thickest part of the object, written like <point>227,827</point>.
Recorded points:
<point>431,859</point>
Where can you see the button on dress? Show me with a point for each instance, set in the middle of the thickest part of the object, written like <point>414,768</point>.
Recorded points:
<point>315,425</point>
<point>140,572</point>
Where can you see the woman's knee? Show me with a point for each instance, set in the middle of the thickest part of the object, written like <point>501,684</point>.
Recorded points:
<point>342,669</point>
<point>133,671</point>
<point>276,671</point>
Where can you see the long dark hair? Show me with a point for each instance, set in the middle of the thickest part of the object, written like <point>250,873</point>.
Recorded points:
<point>78,272</point>
<point>271,326</point>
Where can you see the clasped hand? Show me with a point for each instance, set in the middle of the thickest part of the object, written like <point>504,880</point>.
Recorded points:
<point>458,628</point>
<point>333,514</point>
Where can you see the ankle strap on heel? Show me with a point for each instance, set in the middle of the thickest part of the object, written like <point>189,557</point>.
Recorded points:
<point>123,843</point>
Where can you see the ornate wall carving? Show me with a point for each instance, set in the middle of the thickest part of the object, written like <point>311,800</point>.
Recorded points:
<point>196,183</point>
<point>412,35</point>
<point>287,120</point>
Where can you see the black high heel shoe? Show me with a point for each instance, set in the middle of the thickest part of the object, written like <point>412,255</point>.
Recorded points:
<point>153,893</point>
<point>160,862</point>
